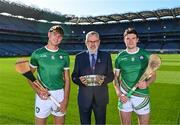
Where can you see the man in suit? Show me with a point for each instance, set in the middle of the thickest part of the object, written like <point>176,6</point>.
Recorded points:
<point>93,94</point>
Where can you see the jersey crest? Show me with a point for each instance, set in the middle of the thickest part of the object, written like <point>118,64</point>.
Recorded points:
<point>61,57</point>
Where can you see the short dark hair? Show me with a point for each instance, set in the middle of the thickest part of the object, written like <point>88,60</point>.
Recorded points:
<point>130,31</point>
<point>57,28</point>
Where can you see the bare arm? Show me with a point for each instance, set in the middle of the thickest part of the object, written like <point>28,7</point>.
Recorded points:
<point>43,94</point>
<point>145,84</point>
<point>64,103</point>
<point>152,79</point>
<point>117,83</point>
<point>31,83</point>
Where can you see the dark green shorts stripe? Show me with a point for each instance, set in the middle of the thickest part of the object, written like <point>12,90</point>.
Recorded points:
<point>143,104</point>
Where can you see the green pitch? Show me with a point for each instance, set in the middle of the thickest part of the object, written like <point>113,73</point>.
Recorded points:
<point>17,98</point>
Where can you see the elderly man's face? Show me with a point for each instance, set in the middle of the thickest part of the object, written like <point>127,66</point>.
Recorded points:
<point>92,43</point>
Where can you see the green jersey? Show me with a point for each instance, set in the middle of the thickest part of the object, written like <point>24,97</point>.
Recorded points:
<point>132,66</point>
<point>50,66</point>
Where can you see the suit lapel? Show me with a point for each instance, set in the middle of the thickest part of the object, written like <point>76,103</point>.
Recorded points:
<point>98,60</point>
<point>86,59</point>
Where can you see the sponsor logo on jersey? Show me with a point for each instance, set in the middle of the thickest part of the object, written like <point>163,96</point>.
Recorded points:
<point>43,56</point>
<point>141,57</point>
<point>123,59</point>
<point>52,57</point>
<point>132,59</point>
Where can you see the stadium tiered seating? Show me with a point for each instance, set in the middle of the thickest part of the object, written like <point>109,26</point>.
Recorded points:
<point>22,37</point>
<point>18,49</point>
<point>173,45</point>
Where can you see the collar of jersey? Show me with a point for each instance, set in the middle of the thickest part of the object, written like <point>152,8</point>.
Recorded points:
<point>51,49</point>
<point>133,52</point>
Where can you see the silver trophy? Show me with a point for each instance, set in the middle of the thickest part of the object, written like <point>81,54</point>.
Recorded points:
<point>94,80</point>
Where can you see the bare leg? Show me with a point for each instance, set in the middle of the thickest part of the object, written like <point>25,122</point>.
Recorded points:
<point>59,120</point>
<point>144,119</point>
<point>125,118</point>
<point>40,121</point>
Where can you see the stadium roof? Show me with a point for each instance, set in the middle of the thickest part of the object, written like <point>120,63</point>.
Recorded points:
<point>143,15</point>
<point>38,14</point>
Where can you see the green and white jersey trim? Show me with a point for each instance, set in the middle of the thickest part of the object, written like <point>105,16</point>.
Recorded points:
<point>131,67</point>
<point>66,68</point>
<point>127,89</point>
<point>39,78</point>
<point>132,52</point>
<point>51,49</point>
<point>32,66</point>
<point>118,70</point>
<point>50,65</point>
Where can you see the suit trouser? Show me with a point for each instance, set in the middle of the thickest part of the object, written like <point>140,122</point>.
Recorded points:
<point>99,113</point>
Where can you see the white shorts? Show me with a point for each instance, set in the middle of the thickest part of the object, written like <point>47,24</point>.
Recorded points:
<point>140,105</point>
<point>43,108</point>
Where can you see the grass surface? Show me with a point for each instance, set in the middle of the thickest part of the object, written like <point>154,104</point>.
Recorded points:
<point>17,98</point>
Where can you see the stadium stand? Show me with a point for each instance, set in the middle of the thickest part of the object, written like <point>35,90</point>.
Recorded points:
<point>30,12</point>
<point>21,36</point>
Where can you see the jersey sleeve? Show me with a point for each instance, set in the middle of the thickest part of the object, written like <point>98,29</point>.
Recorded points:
<point>67,62</point>
<point>148,54</point>
<point>33,60</point>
